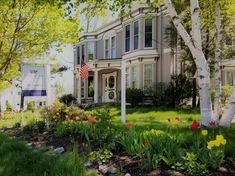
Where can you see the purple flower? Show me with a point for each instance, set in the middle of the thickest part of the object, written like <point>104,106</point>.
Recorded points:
<point>212,123</point>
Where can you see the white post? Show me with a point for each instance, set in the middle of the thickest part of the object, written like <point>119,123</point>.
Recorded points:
<point>48,83</point>
<point>96,86</point>
<point>123,92</point>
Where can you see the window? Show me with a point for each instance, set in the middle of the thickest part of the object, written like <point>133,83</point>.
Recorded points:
<point>229,78</point>
<point>136,35</point>
<point>83,54</point>
<point>148,33</point>
<point>83,88</point>
<point>91,86</point>
<point>78,55</point>
<point>107,49</point>
<point>148,75</point>
<point>127,38</point>
<point>113,47</point>
<point>90,50</point>
<point>127,77</point>
<point>134,73</point>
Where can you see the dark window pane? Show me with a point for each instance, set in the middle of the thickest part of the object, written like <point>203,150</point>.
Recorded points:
<point>127,45</point>
<point>148,40</point>
<point>83,54</point>
<point>127,31</point>
<point>136,28</point>
<point>148,33</point>
<point>127,38</point>
<point>78,55</point>
<point>136,43</point>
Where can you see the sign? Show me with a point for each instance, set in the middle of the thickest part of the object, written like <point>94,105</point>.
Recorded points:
<point>33,80</point>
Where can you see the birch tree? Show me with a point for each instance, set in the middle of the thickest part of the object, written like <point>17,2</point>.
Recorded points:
<point>217,110</point>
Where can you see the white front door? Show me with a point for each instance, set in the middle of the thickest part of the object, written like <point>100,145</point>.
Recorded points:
<point>109,87</point>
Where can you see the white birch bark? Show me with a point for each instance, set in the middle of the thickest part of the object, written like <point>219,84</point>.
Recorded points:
<point>217,109</point>
<point>228,116</point>
<point>195,45</point>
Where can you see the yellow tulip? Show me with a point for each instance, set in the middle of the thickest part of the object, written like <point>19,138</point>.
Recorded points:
<point>204,132</point>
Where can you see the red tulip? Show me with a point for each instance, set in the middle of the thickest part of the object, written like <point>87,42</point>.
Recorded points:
<point>129,125</point>
<point>146,143</point>
<point>177,118</point>
<point>92,121</point>
<point>195,125</point>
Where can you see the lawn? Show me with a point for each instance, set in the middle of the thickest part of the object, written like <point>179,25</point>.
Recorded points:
<point>11,119</point>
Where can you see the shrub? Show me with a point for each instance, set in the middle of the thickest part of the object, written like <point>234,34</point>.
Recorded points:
<point>30,106</point>
<point>179,90</point>
<point>9,107</point>
<point>134,96</point>
<point>68,99</point>
<point>159,94</point>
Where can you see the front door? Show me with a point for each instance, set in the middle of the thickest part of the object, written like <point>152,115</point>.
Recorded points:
<point>109,87</point>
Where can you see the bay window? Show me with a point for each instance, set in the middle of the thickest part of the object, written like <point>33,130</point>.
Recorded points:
<point>90,50</point>
<point>136,35</point>
<point>148,75</point>
<point>83,54</point>
<point>106,43</point>
<point>135,77</point>
<point>78,55</point>
<point>127,38</point>
<point>148,33</point>
<point>113,47</point>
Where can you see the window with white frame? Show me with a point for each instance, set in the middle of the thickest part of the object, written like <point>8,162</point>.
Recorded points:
<point>83,54</point>
<point>148,75</point>
<point>127,38</point>
<point>113,47</point>
<point>230,78</point>
<point>127,77</point>
<point>136,35</point>
<point>90,50</point>
<point>148,33</point>
<point>106,47</point>
<point>135,75</point>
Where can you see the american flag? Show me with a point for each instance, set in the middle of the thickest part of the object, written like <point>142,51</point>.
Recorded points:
<point>84,71</point>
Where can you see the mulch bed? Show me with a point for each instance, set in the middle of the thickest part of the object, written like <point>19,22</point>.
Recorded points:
<point>126,162</point>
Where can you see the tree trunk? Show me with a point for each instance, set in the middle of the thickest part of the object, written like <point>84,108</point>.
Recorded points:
<point>228,116</point>
<point>217,109</point>
<point>194,43</point>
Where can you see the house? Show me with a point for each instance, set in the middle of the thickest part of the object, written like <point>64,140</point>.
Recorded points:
<point>228,72</point>
<point>128,52</point>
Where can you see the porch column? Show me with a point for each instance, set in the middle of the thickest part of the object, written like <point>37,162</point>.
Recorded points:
<point>79,88</point>
<point>96,86</point>
<point>123,92</point>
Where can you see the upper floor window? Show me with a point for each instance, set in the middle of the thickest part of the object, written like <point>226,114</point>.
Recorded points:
<point>127,38</point>
<point>78,55</point>
<point>106,43</point>
<point>83,54</point>
<point>113,47</point>
<point>136,35</point>
<point>148,33</point>
<point>90,50</point>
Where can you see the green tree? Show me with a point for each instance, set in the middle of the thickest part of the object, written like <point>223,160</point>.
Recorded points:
<point>28,29</point>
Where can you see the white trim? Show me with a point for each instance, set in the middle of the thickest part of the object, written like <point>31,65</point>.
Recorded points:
<point>142,53</point>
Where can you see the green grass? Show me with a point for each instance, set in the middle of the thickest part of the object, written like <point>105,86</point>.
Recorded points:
<point>149,115</point>
<point>9,119</point>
